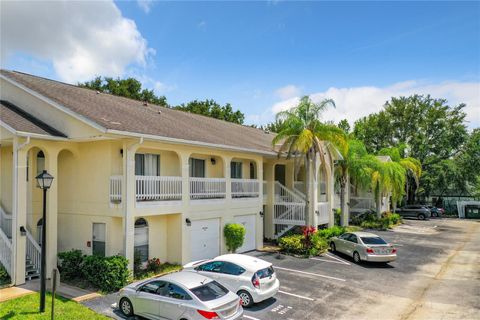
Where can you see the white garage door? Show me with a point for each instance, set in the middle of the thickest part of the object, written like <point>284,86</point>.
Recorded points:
<point>204,239</point>
<point>249,223</point>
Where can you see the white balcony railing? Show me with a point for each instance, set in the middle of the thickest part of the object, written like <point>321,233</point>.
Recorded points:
<point>207,188</point>
<point>6,222</point>
<point>323,212</point>
<point>149,188</point>
<point>245,188</point>
<point>158,188</point>
<point>115,188</point>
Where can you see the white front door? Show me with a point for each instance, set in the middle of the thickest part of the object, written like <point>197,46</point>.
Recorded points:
<point>204,239</point>
<point>249,223</point>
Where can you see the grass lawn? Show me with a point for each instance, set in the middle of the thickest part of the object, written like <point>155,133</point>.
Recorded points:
<point>26,307</point>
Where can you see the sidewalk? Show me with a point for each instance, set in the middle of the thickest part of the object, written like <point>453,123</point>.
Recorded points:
<point>13,293</point>
<point>64,290</point>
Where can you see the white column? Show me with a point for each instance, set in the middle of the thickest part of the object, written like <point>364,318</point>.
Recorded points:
<point>228,180</point>
<point>330,192</point>
<point>268,218</point>
<point>19,212</point>
<point>129,201</point>
<point>184,229</point>
<point>260,220</point>
<point>315,188</point>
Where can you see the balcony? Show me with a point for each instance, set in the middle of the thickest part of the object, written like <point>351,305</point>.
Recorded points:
<point>158,188</point>
<point>169,188</point>
<point>207,188</point>
<point>245,188</point>
<point>149,188</point>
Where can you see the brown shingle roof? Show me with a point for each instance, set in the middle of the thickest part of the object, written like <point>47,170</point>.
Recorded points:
<point>123,114</point>
<point>19,120</point>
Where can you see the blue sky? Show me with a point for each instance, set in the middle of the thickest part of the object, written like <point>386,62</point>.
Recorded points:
<point>261,56</point>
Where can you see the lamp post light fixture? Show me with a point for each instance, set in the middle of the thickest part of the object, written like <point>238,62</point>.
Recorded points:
<point>44,181</point>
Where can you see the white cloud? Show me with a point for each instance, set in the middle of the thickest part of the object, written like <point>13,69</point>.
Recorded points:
<point>80,39</point>
<point>145,5</point>
<point>288,92</point>
<point>356,102</point>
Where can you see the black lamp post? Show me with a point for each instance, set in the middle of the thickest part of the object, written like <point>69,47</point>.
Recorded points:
<point>44,181</point>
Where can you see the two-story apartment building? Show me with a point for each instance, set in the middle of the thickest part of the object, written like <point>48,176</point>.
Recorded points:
<point>131,177</point>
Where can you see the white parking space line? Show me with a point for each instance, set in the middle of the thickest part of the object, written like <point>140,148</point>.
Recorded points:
<point>336,258</point>
<point>309,273</point>
<point>296,295</point>
<point>248,317</point>
<point>325,260</point>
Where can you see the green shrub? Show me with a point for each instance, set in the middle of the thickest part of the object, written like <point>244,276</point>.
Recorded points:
<point>71,263</point>
<point>320,244</point>
<point>337,216</point>
<point>292,244</point>
<point>137,263</point>
<point>334,231</point>
<point>4,277</point>
<point>107,273</point>
<point>234,236</point>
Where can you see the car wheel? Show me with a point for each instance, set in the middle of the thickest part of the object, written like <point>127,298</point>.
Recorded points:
<point>246,298</point>
<point>421,216</point>
<point>356,257</point>
<point>332,247</point>
<point>126,307</point>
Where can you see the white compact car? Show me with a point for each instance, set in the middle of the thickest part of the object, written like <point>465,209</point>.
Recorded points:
<point>253,279</point>
<point>180,296</point>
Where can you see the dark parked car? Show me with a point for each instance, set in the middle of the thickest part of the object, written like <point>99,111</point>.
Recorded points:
<point>436,212</point>
<point>418,211</point>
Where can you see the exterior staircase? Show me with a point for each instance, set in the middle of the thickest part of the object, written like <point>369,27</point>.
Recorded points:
<point>33,254</point>
<point>289,209</point>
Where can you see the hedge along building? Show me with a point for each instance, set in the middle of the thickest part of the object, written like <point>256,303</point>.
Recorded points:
<point>134,177</point>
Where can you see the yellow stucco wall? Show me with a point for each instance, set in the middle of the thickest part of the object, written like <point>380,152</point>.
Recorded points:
<point>6,168</point>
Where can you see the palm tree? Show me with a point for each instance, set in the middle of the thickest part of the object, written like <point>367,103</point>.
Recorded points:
<point>412,166</point>
<point>304,137</point>
<point>387,178</point>
<point>356,167</point>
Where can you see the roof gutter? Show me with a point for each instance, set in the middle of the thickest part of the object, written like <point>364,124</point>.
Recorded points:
<point>29,135</point>
<point>188,142</point>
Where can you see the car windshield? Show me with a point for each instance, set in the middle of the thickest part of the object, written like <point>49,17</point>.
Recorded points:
<point>265,273</point>
<point>373,240</point>
<point>210,291</point>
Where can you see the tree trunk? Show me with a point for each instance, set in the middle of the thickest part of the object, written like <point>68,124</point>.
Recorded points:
<point>342,203</point>
<point>378,202</point>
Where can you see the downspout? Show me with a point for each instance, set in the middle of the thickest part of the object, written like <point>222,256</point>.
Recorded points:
<point>15,210</point>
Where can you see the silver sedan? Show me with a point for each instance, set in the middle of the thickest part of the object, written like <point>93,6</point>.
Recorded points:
<point>364,246</point>
<point>180,295</point>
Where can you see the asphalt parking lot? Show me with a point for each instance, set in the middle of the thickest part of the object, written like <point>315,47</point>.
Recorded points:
<point>436,276</point>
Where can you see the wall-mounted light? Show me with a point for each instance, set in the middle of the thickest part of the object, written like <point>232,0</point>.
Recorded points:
<point>23,232</point>
<point>261,214</point>
<point>121,152</point>
<point>317,212</point>
<point>188,222</point>
<point>213,161</point>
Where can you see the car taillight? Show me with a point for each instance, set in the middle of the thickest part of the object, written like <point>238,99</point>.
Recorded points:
<point>208,314</point>
<point>394,250</point>
<point>370,250</point>
<point>256,281</point>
